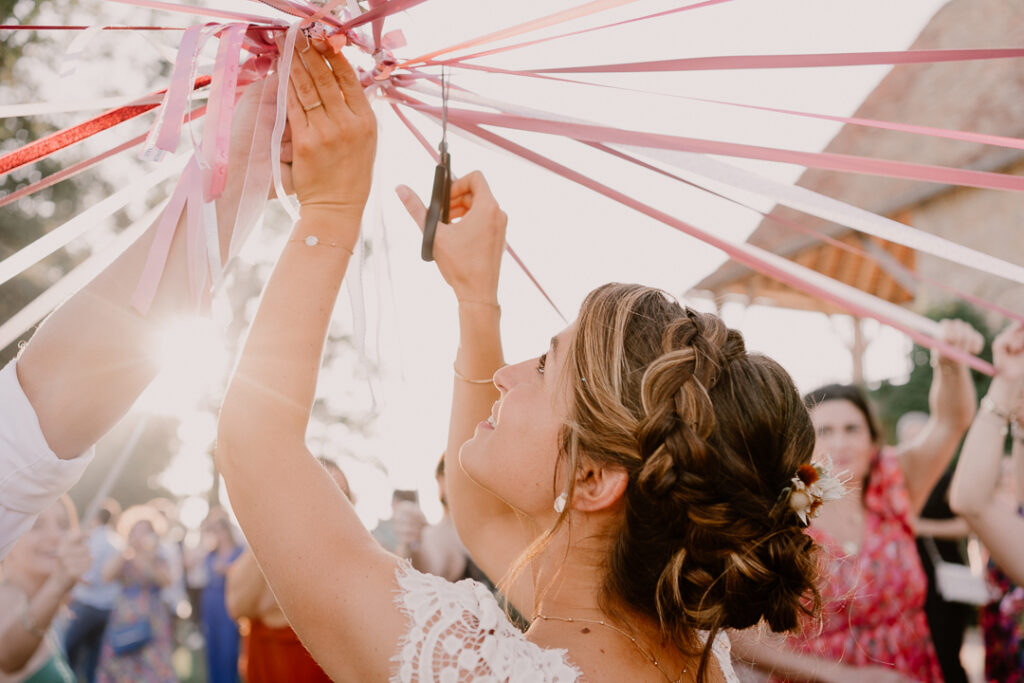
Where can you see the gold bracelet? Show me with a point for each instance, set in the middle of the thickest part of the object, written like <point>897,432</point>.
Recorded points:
<point>313,240</point>
<point>459,375</point>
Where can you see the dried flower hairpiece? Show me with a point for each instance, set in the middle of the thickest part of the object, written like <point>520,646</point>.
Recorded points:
<point>811,487</point>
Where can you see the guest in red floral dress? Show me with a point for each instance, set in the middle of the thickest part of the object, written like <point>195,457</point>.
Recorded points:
<point>872,625</point>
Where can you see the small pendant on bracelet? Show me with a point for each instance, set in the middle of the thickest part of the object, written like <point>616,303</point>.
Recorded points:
<point>313,240</point>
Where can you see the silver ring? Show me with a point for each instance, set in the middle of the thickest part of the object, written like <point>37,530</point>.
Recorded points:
<point>312,106</point>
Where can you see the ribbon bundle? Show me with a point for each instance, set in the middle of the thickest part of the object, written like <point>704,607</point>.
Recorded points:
<point>246,53</point>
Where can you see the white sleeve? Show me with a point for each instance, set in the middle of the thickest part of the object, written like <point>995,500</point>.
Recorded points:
<point>32,477</point>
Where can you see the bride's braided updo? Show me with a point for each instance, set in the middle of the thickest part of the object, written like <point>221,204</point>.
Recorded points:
<point>709,435</point>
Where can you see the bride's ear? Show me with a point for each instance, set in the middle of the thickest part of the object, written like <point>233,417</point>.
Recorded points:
<point>599,487</point>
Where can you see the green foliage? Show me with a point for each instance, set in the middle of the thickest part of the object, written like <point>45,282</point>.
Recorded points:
<point>895,400</point>
<point>29,218</point>
<point>137,482</point>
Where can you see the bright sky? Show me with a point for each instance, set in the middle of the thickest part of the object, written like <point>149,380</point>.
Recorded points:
<point>571,238</point>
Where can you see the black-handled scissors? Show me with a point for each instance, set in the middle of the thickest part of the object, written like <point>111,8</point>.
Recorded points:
<point>441,195</point>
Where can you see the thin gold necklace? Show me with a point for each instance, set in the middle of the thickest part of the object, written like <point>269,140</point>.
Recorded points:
<point>650,657</point>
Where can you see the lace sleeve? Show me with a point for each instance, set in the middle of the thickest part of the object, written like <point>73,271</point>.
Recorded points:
<point>721,648</point>
<point>457,633</point>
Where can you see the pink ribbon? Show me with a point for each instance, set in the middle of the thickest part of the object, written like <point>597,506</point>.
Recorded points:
<point>217,130</point>
<point>160,249</point>
<point>538,41</point>
<point>577,12</point>
<point>746,254</point>
<point>823,160</point>
<point>203,11</point>
<point>946,133</point>
<point>792,61</point>
<point>166,130</point>
<point>821,237</point>
<point>68,172</point>
<point>258,176</point>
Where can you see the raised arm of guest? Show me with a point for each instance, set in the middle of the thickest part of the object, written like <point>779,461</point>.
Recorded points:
<point>245,587</point>
<point>90,359</point>
<point>952,529</point>
<point>771,654</point>
<point>972,494</point>
<point>951,405</point>
<point>39,573</point>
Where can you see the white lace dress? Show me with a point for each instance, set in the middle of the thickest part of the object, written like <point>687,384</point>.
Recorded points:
<point>459,634</point>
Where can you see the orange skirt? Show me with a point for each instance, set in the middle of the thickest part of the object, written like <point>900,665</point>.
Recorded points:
<point>276,654</point>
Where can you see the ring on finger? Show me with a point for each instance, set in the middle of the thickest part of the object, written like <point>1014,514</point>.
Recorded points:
<point>312,106</point>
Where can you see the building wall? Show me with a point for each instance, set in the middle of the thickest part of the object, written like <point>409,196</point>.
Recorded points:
<point>987,220</point>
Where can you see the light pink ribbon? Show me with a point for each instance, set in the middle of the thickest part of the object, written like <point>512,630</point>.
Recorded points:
<point>217,129</point>
<point>821,237</point>
<point>791,61</point>
<point>166,130</point>
<point>156,260</point>
<point>203,11</point>
<point>946,133</point>
<point>258,176</point>
<point>776,268</point>
<point>284,62</point>
<point>538,41</point>
<point>563,16</point>
<point>823,160</point>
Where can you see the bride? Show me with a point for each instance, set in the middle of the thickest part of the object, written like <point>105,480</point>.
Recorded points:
<point>634,486</point>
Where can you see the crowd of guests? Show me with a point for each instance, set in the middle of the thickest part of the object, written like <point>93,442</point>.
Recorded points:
<point>639,489</point>
<point>127,578</point>
<point>111,602</point>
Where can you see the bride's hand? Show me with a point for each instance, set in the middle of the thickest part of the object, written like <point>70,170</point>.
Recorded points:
<point>334,131</point>
<point>468,250</point>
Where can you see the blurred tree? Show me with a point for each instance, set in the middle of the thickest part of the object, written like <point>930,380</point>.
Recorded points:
<point>31,217</point>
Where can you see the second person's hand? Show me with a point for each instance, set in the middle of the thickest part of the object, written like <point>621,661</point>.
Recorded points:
<point>334,131</point>
<point>468,250</point>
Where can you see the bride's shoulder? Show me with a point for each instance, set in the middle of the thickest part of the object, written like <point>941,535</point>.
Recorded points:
<point>457,632</point>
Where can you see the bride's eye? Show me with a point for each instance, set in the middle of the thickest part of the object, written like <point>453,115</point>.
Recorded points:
<point>541,362</point>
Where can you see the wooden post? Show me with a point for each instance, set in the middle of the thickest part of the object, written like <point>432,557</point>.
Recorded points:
<point>857,349</point>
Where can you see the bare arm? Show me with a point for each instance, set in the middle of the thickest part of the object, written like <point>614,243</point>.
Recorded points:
<point>112,570</point>
<point>92,357</point>
<point>768,652</point>
<point>326,570</point>
<point>947,529</point>
<point>951,403</point>
<point>440,553</point>
<point>977,474</point>
<point>468,254</point>
<point>24,622</point>
<point>244,587</point>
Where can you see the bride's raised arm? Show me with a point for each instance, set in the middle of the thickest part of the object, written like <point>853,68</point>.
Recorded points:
<point>468,253</point>
<point>330,577</point>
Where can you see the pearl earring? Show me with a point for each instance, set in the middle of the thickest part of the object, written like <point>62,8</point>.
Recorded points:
<point>560,502</point>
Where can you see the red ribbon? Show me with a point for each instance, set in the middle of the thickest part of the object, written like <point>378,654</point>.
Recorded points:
<point>44,147</point>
